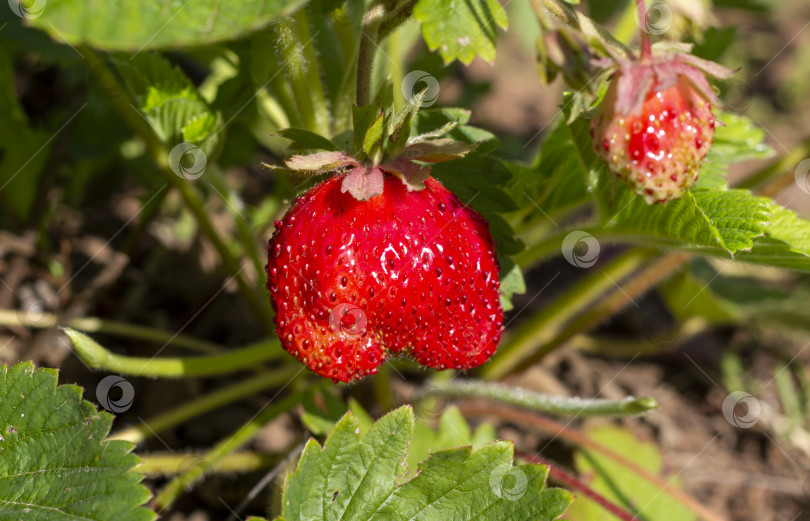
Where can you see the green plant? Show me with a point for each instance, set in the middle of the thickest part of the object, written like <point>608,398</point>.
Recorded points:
<point>177,97</point>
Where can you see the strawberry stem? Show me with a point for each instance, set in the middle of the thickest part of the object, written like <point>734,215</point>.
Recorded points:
<point>646,44</point>
<point>97,357</point>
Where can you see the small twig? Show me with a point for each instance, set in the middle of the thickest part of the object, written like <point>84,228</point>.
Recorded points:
<point>646,44</point>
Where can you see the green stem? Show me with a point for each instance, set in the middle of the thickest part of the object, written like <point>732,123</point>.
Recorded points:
<point>97,357</point>
<point>187,479</point>
<point>365,53</point>
<point>229,394</point>
<point>163,465</point>
<point>546,324</point>
<point>190,196</point>
<point>11,317</point>
<point>298,56</point>
<point>545,403</point>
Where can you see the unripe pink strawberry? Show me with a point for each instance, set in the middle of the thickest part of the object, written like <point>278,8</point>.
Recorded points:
<point>655,125</point>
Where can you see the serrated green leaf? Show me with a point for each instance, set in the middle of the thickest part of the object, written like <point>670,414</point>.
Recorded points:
<point>461,29</point>
<point>138,25</point>
<point>786,242</point>
<point>54,462</point>
<point>452,431</point>
<point>356,477</point>
<point>169,101</point>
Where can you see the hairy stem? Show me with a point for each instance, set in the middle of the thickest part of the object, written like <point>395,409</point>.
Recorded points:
<point>97,357</point>
<point>301,68</point>
<point>365,53</point>
<point>646,44</point>
<point>203,404</point>
<point>160,465</point>
<point>12,317</point>
<point>545,403</point>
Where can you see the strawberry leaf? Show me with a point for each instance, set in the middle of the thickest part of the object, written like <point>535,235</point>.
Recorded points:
<point>170,102</point>
<point>141,25</point>
<point>54,462</point>
<point>358,477</point>
<point>319,163</point>
<point>461,29</point>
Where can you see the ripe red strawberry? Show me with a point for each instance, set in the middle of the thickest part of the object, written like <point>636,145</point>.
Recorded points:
<point>655,125</point>
<point>405,272</point>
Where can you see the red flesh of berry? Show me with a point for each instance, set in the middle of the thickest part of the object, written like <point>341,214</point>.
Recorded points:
<point>403,273</point>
